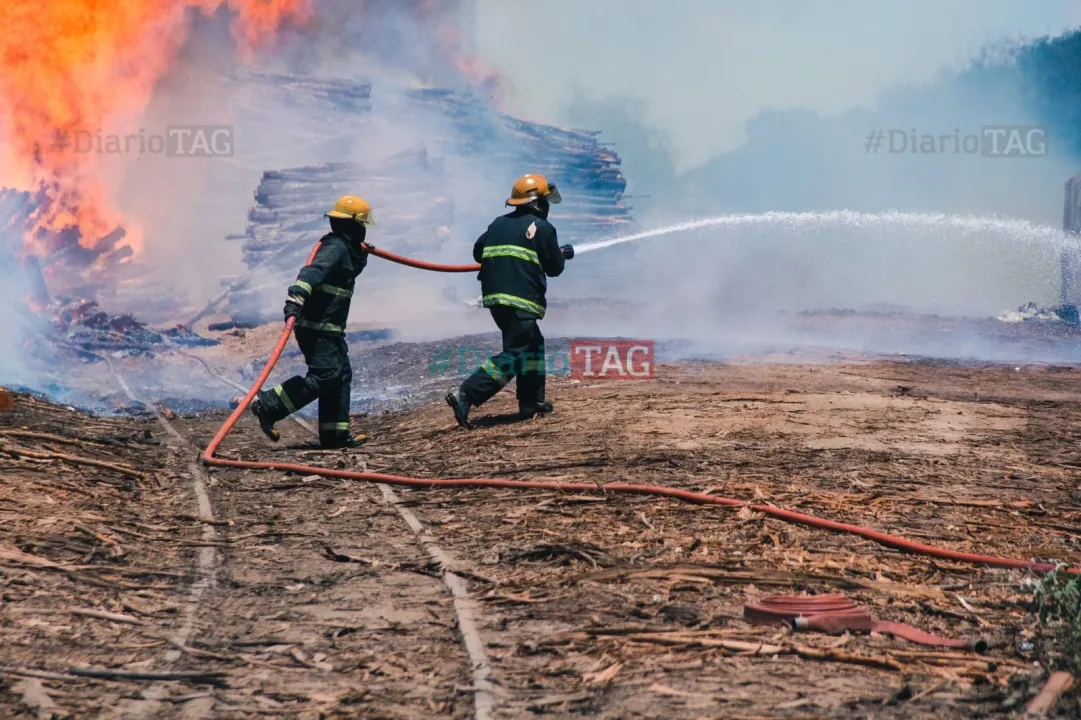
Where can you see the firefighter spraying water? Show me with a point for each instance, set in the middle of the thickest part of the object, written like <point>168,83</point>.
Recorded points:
<point>517,253</point>
<point>514,257</point>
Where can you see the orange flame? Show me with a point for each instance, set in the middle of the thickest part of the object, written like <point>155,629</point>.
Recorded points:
<point>481,77</point>
<point>72,66</point>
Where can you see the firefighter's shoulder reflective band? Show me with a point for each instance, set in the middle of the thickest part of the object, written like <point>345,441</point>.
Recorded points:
<point>331,290</point>
<point>321,326</point>
<point>303,286</point>
<point>513,301</point>
<point>514,251</point>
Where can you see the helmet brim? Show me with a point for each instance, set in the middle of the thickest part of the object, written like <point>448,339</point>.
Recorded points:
<point>553,197</point>
<point>369,220</point>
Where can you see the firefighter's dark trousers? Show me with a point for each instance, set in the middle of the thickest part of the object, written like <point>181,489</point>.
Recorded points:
<point>522,358</point>
<point>328,380</point>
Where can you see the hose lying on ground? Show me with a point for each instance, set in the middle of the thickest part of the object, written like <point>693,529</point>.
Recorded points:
<point>837,614</point>
<point>890,541</point>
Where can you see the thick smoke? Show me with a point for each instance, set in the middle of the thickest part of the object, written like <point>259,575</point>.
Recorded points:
<point>732,282</point>
<point>647,152</point>
<point>414,40</point>
<point>189,205</point>
<point>20,325</point>
<point>185,207</point>
<point>727,285</point>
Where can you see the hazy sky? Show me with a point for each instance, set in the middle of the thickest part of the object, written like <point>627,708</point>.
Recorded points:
<point>707,66</point>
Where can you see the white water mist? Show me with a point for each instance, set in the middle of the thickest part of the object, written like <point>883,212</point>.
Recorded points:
<point>961,225</point>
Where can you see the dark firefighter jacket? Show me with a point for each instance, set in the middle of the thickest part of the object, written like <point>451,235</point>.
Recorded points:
<point>517,253</point>
<point>326,285</point>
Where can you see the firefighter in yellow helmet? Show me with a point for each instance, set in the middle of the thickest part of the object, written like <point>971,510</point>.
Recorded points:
<point>319,299</point>
<point>517,253</point>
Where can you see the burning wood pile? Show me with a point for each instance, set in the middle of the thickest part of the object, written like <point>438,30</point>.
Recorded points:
<point>77,323</point>
<point>81,326</point>
<point>80,265</point>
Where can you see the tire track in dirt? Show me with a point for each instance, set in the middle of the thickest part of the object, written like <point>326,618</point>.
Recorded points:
<point>464,606</point>
<point>484,688</point>
<point>206,563</point>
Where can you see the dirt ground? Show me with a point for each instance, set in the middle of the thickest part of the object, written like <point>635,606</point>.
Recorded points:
<point>298,596</point>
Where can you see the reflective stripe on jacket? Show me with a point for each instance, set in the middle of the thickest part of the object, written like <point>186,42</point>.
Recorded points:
<point>517,253</point>
<point>326,284</point>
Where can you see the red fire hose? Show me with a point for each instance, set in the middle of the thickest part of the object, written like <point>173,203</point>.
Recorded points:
<point>890,541</point>
<point>836,614</point>
<point>420,264</point>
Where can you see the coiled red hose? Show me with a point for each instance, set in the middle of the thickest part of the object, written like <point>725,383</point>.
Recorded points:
<point>838,613</point>
<point>890,541</point>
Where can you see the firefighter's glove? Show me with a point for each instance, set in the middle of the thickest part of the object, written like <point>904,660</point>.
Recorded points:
<point>568,251</point>
<point>293,306</point>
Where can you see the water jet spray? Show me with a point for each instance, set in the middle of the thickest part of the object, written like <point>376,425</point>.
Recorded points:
<point>964,224</point>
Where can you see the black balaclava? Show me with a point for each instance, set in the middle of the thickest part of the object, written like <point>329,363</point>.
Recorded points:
<point>348,228</point>
<point>540,206</point>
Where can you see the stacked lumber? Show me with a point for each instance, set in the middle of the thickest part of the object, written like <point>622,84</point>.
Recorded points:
<point>404,187</point>
<point>323,103</point>
<point>407,192</point>
<point>77,267</point>
<point>410,203</point>
<point>411,207</point>
<point>413,193</point>
<point>58,285</point>
<point>586,171</point>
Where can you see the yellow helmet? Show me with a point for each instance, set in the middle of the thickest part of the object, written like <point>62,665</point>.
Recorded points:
<point>529,187</point>
<point>351,207</point>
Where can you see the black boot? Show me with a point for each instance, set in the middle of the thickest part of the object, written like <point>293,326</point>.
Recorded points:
<point>265,424</point>
<point>353,441</point>
<point>528,410</point>
<point>460,406</point>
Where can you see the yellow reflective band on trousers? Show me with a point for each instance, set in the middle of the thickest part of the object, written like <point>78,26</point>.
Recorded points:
<point>303,286</point>
<point>513,301</point>
<point>280,392</point>
<point>533,366</point>
<point>489,367</point>
<point>322,327</point>
<point>514,251</point>
<point>331,290</point>
<point>340,427</point>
